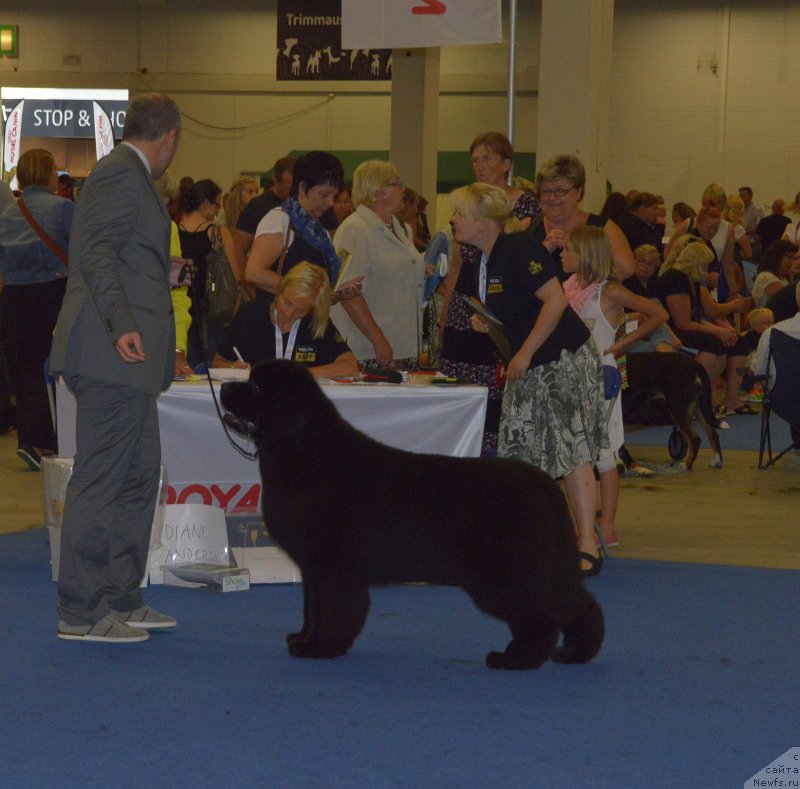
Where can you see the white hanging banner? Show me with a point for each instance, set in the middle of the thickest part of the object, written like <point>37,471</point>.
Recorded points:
<point>419,23</point>
<point>11,144</point>
<point>103,132</point>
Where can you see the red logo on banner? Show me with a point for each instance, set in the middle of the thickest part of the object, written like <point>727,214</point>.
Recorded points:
<point>430,7</point>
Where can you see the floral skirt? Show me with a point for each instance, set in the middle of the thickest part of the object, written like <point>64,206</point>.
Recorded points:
<point>472,371</point>
<point>554,417</point>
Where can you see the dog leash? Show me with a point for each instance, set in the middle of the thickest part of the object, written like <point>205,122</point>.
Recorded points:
<point>245,453</point>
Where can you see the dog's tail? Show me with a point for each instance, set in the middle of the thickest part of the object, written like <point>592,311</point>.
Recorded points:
<point>583,637</point>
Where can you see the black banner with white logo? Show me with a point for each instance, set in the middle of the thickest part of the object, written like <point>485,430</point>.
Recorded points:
<point>310,45</point>
<point>65,117</point>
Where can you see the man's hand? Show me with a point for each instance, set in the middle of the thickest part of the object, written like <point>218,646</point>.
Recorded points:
<point>129,347</point>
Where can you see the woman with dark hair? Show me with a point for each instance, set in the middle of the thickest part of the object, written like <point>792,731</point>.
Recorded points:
<point>35,282</point>
<point>779,266</point>
<point>292,232</point>
<point>466,354</point>
<point>343,204</point>
<point>201,204</point>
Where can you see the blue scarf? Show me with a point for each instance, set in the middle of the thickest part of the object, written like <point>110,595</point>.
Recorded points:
<point>314,233</point>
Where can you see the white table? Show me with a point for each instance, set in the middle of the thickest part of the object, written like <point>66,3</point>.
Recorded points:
<point>203,467</point>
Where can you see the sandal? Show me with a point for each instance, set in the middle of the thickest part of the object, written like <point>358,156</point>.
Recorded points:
<point>743,410</point>
<point>721,411</point>
<point>637,470</point>
<point>595,562</point>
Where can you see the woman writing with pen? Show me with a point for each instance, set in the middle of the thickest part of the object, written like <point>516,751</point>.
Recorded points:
<point>296,326</point>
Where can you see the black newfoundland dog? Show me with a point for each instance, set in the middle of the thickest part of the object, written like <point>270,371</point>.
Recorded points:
<point>353,513</point>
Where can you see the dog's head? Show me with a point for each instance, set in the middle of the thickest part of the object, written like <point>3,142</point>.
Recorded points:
<point>280,401</point>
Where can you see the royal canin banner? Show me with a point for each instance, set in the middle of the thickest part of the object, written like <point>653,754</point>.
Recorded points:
<point>419,23</point>
<point>103,132</point>
<point>11,143</point>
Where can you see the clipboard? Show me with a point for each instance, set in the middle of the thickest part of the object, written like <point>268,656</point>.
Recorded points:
<point>497,333</point>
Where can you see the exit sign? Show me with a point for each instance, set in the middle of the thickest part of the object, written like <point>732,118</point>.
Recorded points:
<point>8,41</point>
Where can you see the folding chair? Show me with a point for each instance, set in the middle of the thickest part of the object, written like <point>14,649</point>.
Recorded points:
<point>612,385</point>
<point>780,393</point>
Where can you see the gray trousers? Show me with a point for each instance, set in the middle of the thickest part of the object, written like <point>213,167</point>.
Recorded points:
<point>110,500</point>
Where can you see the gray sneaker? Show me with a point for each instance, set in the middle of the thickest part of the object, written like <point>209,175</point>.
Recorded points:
<point>144,618</point>
<point>107,629</point>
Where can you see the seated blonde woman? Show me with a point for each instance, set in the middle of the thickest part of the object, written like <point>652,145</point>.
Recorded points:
<point>296,326</point>
<point>681,289</point>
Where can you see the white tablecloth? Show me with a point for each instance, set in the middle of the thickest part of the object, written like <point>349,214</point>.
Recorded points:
<point>203,467</point>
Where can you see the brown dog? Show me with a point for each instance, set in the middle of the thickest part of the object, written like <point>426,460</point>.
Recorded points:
<point>672,386</point>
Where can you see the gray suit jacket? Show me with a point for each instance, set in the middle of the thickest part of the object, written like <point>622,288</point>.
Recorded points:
<point>118,279</point>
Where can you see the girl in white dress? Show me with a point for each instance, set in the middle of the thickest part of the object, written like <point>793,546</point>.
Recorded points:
<point>594,292</point>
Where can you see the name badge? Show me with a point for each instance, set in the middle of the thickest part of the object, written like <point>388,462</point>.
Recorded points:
<point>305,354</point>
<point>494,285</point>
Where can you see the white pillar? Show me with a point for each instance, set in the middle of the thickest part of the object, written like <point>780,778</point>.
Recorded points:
<point>414,140</point>
<point>574,88</point>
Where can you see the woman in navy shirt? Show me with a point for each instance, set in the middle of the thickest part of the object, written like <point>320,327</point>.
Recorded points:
<point>294,326</point>
<point>553,413</point>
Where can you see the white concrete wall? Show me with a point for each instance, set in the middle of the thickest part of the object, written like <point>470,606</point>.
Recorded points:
<point>676,126</point>
<point>673,128</point>
<point>218,61</point>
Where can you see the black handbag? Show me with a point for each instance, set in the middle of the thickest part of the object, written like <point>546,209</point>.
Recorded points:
<point>224,293</point>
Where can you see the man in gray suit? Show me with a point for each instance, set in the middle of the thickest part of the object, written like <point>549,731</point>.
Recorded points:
<point>114,343</point>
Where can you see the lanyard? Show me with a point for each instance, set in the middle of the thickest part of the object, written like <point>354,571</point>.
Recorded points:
<point>482,278</point>
<point>279,354</point>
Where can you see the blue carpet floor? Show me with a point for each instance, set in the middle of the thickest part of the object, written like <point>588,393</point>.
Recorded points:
<point>696,686</point>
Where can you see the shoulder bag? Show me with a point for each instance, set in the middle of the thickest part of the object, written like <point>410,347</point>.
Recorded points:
<point>224,293</point>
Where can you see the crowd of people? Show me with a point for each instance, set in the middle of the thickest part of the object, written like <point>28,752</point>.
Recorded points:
<point>332,275</point>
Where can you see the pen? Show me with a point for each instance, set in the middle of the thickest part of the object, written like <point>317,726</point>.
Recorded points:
<point>238,355</point>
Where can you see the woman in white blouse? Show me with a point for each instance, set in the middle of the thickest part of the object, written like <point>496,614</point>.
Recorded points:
<point>389,331</point>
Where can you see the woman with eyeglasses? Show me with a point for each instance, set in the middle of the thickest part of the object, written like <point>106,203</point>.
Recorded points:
<point>388,332</point>
<point>560,183</point>
<point>466,354</point>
